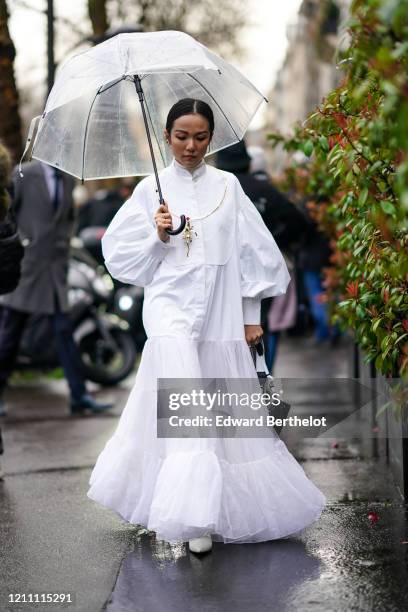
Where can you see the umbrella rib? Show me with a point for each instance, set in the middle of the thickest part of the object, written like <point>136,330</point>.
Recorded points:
<point>212,98</point>
<point>86,134</point>
<point>112,84</point>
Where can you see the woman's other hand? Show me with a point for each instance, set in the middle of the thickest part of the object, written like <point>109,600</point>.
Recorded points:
<point>163,222</point>
<point>253,334</point>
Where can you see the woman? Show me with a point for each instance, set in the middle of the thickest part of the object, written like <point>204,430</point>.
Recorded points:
<point>201,310</point>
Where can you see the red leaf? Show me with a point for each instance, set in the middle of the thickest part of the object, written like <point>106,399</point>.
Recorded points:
<point>352,288</point>
<point>373,516</point>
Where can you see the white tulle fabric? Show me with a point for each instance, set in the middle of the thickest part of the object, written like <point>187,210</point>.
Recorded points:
<point>238,489</point>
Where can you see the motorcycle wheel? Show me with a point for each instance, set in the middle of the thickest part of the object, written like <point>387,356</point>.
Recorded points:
<point>103,364</point>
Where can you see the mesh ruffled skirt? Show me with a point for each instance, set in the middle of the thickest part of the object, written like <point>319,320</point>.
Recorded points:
<point>238,489</point>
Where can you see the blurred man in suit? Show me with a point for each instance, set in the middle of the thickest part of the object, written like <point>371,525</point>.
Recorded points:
<point>43,208</point>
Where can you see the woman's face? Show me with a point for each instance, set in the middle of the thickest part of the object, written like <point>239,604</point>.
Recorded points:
<point>189,139</point>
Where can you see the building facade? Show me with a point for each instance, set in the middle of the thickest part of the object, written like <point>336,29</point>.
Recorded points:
<point>309,69</point>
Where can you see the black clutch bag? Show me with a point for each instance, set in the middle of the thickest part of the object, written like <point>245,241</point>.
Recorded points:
<point>278,410</point>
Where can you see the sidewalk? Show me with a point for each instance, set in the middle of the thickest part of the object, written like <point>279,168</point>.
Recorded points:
<point>54,540</point>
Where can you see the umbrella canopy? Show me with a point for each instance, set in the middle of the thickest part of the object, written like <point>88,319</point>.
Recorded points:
<point>93,125</point>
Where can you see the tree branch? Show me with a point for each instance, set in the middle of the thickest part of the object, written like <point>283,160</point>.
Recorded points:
<point>61,20</point>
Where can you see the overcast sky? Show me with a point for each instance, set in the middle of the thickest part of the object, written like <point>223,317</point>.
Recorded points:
<point>265,40</point>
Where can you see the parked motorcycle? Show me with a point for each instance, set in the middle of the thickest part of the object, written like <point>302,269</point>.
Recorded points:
<point>106,347</point>
<point>127,299</point>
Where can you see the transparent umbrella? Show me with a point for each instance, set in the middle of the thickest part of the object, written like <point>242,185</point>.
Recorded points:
<point>106,113</point>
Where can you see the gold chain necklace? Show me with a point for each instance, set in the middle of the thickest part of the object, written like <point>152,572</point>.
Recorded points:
<point>189,228</point>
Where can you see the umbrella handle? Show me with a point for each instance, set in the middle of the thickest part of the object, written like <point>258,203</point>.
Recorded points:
<point>180,228</point>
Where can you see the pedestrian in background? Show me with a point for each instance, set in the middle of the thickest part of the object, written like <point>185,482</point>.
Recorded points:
<point>258,165</point>
<point>43,208</point>
<point>285,222</point>
<point>100,209</point>
<point>314,256</point>
<point>281,314</point>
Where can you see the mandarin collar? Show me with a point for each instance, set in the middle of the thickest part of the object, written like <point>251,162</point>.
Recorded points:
<point>180,170</point>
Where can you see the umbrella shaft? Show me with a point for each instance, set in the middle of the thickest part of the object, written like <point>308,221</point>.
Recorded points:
<point>140,93</point>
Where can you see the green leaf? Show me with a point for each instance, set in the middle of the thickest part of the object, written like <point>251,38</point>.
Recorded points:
<point>362,199</point>
<point>385,342</point>
<point>324,143</point>
<point>376,324</point>
<point>358,250</point>
<point>404,199</point>
<point>376,165</point>
<point>308,147</point>
<point>387,207</point>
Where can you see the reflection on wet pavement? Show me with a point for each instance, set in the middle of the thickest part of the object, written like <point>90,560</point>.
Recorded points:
<point>343,562</point>
<point>161,576</point>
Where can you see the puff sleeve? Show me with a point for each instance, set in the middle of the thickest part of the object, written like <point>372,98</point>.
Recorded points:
<point>263,268</point>
<point>131,246</point>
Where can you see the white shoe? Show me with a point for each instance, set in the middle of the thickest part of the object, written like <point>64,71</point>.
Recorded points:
<point>200,545</point>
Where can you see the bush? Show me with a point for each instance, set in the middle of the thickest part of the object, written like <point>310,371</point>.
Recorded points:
<point>357,180</point>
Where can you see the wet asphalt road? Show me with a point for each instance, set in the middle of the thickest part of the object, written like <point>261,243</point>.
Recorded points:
<point>53,539</point>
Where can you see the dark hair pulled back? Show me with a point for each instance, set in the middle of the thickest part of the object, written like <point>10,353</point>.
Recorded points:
<point>189,106</point>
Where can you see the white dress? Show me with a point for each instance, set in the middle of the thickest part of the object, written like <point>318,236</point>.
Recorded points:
<point>195,307</point>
